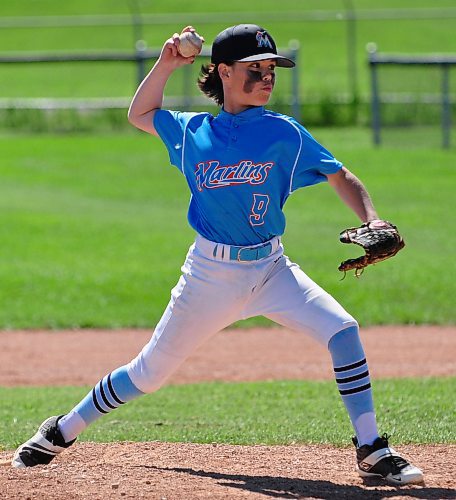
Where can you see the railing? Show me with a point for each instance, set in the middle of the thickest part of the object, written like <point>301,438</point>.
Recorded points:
<point>141,56</point>
<point>442,61</point>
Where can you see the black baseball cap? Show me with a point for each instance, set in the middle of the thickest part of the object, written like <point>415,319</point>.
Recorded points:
<point>246,43</point>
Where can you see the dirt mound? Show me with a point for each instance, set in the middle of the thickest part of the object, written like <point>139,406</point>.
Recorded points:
<point>185,471</point>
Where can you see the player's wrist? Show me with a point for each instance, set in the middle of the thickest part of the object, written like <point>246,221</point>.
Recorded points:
<point>165,64</point>
<point>371,216</point>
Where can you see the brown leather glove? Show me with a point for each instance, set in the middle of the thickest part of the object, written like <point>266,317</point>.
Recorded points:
<point>380,240</point>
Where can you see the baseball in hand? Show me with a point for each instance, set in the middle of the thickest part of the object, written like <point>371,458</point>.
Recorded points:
<point>190,44</point>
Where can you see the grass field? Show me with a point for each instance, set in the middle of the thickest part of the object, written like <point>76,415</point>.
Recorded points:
<point>323,54</point>
<point>248,413</point>
<point>94,231</point>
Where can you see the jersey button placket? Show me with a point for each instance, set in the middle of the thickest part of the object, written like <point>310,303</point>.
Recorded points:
<point>235,127</point>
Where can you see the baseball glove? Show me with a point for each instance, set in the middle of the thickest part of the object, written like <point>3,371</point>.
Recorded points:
<point>379,239</point>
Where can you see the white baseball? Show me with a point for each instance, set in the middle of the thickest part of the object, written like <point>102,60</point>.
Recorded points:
<point>190,44</point>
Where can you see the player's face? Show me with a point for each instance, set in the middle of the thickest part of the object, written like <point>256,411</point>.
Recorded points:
<point>250,83</point>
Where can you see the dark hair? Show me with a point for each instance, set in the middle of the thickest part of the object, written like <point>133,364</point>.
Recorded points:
<point>210,83</point>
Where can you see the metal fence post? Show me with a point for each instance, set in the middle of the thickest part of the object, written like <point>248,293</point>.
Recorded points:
<point>375,100</point>
<point>141,57</point>
<point>446,106</point>
<point>186,90</point>
<point>351,49</point>
<point>295,102</point>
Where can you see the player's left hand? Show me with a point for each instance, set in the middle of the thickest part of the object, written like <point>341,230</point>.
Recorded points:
<point>380,240</point>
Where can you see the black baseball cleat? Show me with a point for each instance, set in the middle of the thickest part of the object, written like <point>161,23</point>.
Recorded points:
<point>42,447</point>
<point>379,460</point>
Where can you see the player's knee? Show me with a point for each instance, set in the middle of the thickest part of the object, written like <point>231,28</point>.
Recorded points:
<point>148,371</point>
<point>145,380</point>
<point>149,385</point>
<point>346,342</point>
<point>344,335</point>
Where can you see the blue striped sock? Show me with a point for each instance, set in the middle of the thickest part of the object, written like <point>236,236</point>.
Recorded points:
<point>112,391</point>
<point>353,382</point>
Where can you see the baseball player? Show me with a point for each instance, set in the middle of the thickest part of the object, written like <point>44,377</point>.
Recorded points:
<point>240,166</point>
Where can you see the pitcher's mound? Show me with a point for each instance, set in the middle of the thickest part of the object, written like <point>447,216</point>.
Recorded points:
<point>186,471</point>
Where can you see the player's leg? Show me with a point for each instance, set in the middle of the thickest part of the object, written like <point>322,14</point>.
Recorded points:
<point>195,312</point>
<point>374,456</point>
<point>57,433</point>
<point>207,298</point>
<point>290,298</point>
<point>353,382</point>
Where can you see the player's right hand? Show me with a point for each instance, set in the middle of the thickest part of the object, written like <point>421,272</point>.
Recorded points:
<point>170,55</point>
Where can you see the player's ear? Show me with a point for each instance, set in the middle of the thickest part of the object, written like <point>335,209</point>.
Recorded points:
<point>224,71</point>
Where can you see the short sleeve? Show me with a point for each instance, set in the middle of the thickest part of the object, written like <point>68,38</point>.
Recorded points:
<point>313,161</point>
<point>170,126</point>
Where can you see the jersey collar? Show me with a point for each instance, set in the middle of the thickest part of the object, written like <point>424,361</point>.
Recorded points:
<point>246,115</point>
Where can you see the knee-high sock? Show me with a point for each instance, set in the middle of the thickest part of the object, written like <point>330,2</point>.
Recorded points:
<point>112,391</point>
<point>353,382</point>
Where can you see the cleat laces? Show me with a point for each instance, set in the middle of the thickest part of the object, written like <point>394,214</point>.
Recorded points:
<point>399,463</point>
<point>396,461</point>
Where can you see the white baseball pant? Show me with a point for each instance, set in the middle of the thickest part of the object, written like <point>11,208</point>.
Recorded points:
<point>215,291</point>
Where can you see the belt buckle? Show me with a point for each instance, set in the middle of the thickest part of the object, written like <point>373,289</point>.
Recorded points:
<point>248,249</point>
<point>257,249</point>
<point>239,255</point>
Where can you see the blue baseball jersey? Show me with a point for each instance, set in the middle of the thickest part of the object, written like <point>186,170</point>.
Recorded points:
<point>241,169</point>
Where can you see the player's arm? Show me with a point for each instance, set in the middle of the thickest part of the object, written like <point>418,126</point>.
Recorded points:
<point>353,193</point>
<point>149,95</point>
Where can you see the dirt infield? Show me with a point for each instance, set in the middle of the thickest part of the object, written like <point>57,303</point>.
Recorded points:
<point>184,471</point>
<point>83,357</point>
<point>187,471</point>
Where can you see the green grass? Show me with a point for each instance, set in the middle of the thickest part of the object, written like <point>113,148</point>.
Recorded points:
<point>87,7</point>
<point>243,413</point>
<point>94,231</point>
<point>323,55</point>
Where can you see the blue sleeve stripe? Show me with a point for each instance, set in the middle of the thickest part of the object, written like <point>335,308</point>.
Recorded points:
<point>297,157</point>
<point>183,141</point>
<point>290,189</point>
<point>183,146</point>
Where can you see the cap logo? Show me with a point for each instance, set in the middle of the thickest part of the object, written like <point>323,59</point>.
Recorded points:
<point>263,40</point>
